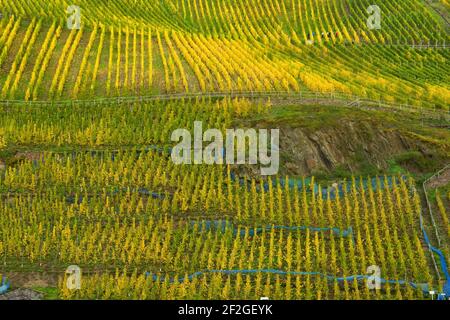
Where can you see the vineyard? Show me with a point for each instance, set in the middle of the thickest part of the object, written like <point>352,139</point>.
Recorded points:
<point>208,45</point>
<point>91,183</point>
<point>124,210</point>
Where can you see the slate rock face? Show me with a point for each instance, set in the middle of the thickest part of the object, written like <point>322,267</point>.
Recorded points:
<point>349,144</point>
<point>22,294</point>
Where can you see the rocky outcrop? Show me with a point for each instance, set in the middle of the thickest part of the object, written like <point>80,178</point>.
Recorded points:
<point>348,145</point>
<point>327,148</point>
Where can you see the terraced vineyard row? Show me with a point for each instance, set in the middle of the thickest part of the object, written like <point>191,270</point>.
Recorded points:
<point>97,232</point>
<point>88,223</point>
<point>40,62</point>
<point>275,21</point>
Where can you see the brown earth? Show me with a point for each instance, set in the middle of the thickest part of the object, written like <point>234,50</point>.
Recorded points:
<point>32,279</point>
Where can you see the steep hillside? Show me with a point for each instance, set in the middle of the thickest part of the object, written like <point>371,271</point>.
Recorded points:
<point>134,48</point>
